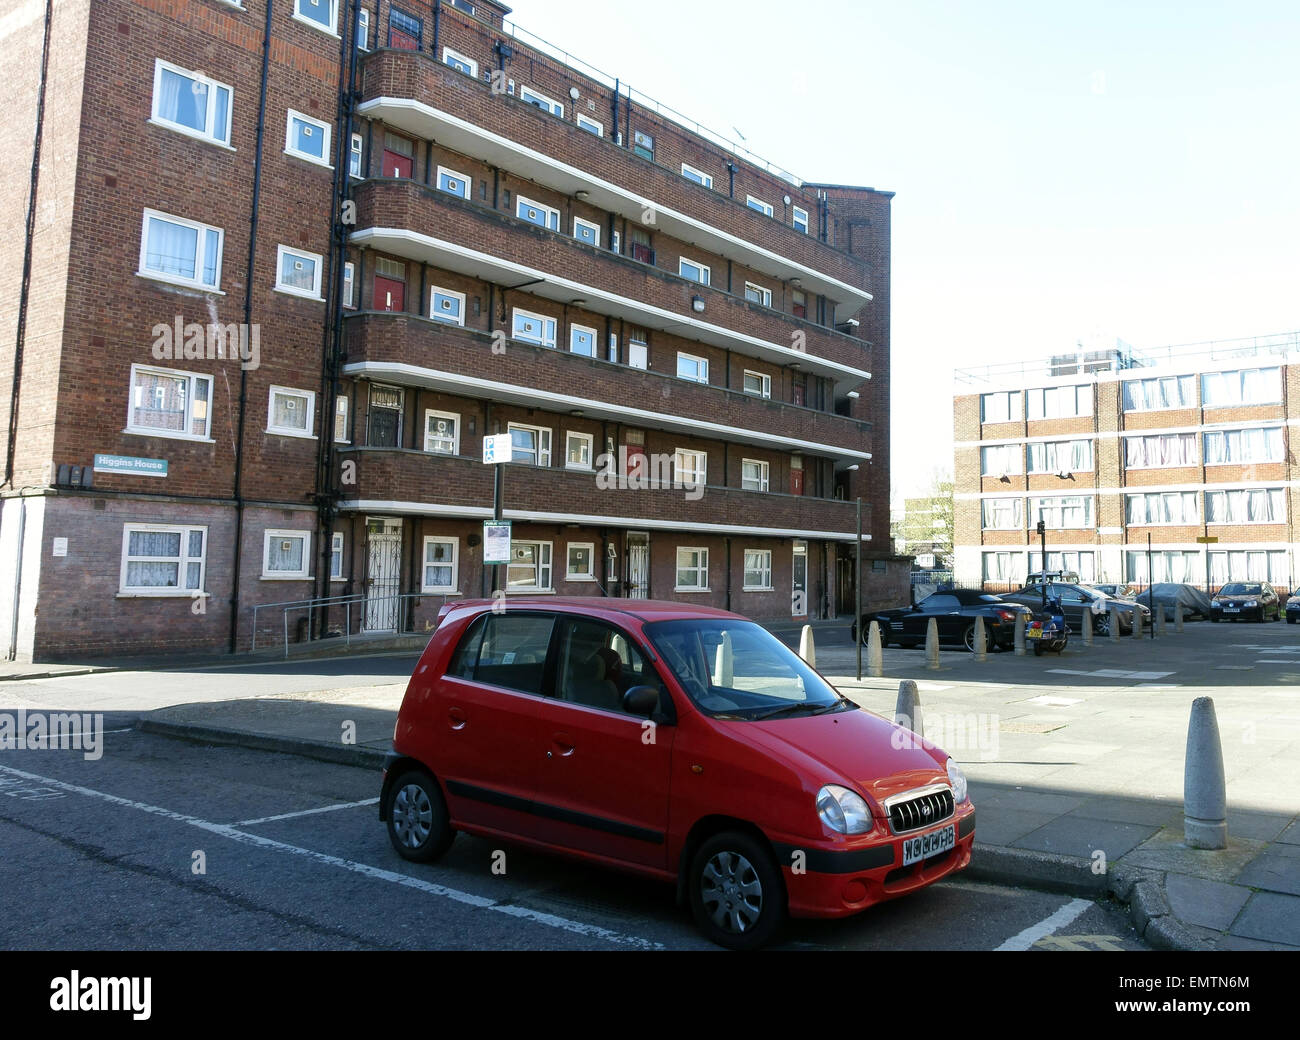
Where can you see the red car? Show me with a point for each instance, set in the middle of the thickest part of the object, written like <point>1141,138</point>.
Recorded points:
<point>682,743</point>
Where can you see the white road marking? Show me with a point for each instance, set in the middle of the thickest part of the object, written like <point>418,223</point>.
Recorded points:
<point>1055,702</point>
<point>1111,673</point>
<point>1024,940</point>
<point>306,812</point>
<point>375,873</point>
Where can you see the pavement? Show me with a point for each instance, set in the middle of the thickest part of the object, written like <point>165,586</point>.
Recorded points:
<point>1075,761</point>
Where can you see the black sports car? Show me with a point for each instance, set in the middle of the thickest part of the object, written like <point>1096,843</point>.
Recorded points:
<point>954,613</point>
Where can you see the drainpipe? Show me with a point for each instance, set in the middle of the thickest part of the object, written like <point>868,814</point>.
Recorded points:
<point>731,179</point>
<point>437,27</point>
<point>614,121</point>
<point>18,578</point>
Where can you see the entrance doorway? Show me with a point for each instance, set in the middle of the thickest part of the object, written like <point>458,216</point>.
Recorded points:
<point>638,565</point>
<point>383,574</point>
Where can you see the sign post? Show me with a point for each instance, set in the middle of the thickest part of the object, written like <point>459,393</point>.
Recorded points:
<point>497,450</point>
<point>1207,540</point>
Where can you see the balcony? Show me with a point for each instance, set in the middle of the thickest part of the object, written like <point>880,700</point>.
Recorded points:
<point>401,481</point>
<point>415,351</point>
<point>482,243</point>
<point>413,92</point>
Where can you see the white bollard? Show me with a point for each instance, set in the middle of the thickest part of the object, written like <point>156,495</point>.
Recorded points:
<point>724,664</point>
<point>1137,622</point>
<point>875,658</point>
<point>1178,618</point>
<point>1087,626</point>
<point>907,712</point>
<point>981,640</point>
<point>1205,795</point>
<point>932,645</point>
<point>806,648</point>
<point>1162,625</point>
<point>1020,635</point>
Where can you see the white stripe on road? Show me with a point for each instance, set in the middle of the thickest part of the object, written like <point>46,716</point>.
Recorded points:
<point>305,812</point>
<point>1024,940</point>
<point>376,873</point>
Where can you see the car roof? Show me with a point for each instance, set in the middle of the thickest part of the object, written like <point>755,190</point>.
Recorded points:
<point>609,608</point>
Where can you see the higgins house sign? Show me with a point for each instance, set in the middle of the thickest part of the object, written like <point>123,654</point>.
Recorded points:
<point>133,466</point>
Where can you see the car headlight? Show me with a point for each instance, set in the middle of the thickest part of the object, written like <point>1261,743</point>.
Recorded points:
<point>1251,603</point>
<point>958,780</point>
<point>1215,602</point>
<point>843,811</point>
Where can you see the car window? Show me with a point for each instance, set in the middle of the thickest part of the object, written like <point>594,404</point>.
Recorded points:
<point>507,650</point>
<point>598,664</point>
<point>938,602</point>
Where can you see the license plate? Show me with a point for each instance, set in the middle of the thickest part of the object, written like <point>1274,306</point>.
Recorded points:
<point>923,846</point>
<point>1232,610</point>
<point>1034,633</point>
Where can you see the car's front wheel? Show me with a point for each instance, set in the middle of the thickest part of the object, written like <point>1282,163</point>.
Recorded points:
<point>418,825</point>
<point>736,891</point>
<point>1101,624</point>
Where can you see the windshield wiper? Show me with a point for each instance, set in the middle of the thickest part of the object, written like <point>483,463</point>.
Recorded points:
<point>800,706</point>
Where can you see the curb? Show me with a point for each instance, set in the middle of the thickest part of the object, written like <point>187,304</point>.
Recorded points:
<point>338,754</point>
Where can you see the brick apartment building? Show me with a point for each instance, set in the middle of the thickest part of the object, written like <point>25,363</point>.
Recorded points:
<point>1182,444</point>
<point>289,261</point>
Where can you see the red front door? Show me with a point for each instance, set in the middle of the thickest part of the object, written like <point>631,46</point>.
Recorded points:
<point>796,481</point>
<point>390,294</point>
<point>398,165</point>
<point>797,393</point>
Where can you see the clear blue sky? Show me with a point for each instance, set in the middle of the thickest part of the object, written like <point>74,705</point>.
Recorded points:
<point>1063,170</point>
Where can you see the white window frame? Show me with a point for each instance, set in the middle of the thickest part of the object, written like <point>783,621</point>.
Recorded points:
<point>543,452</point>
<point>764,483</point>
<point>434,413</point>
<point>280,253</point>
<point>569,573</point>
<point>759,206</point>
<point>213,86</point>
<point>595,339</point>
<point>341,410</point>
<point>1017,451</point>
<point>172,279</point>
<point>765,382</point>
<point>801,219</point>
<point>149,431</point>
<point>182,561</point>
<point>745,569</point>
<point>456,56</point>
<point>531,97</point>
<point>592,126</point>
<point>696,175</point>
<point>552,214</point>
<point>425,564</point>
<point>357,151</point>
<point>764,295</point>
<point>705,272</point>
<point>337,546</point>
<point>545,563</point>
<point>316,124</point>
<point>454,175</point>
<point>589,440</point>
<point>1014,414</point>
<point>349,285</point>
<point>436,291</point>
<point>309,399</point>
<point>1195,459</point>
<point>1281,492</point>
<point>590,226</point>
<point>989,510</point>
<point>698,471</point>
<point>702,366</point>
<point>302,575</point>
<point>701,569</point>
<point>549,327</point>
<point>363,30</point>
<point>332,29</point>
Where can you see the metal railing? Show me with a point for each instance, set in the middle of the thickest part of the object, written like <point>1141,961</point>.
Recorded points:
<point>375,615</point>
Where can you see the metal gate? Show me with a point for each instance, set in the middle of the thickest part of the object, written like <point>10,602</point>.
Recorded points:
<point>383,575</point>
<point>638,566</point>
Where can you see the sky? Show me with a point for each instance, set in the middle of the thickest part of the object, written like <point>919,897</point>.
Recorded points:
<point>1064,171</point>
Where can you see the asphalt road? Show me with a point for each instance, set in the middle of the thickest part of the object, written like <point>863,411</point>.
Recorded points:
<point>161,844</point>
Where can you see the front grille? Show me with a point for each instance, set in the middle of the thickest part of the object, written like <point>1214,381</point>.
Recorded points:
<point>922,811</point>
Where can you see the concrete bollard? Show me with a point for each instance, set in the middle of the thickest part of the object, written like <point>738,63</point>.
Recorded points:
<point>1162,626</point>
<point>1087,627</point>
<point>807,650</point>
<point>875,659</point>
<point>907,712</point>
<point>1137,622</point>
<point>1205,795</point>
<point>1020,635</point>
<point>932,645</point>
<point>725,662</point>
<point>1178,618</point>
<point>981,640</point>
<point>1114,624</point>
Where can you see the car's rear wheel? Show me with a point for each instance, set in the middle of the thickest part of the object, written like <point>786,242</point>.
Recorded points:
<point>736,890</point>
<point>968,637</point>
<point>418,825</point>
<point>1101,624</point>
<point>1039,649</point>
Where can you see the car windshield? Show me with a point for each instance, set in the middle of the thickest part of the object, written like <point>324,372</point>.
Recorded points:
<point>1241,589</point>
<point>736,669</point>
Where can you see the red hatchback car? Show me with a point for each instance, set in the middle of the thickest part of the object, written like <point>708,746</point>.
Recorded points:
<point>683,743</point>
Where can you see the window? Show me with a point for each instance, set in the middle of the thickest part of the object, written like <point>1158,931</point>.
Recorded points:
<point>1163,507</point>
<point>298,273</point>
<point>1149,395</point>
<point>581,564</point>
<point>582,340</point>
<point>759,205</point>
<point>592,126</point>
<point>1004,567</point>
<point>535,213</point>
<point>1177,566</point>
<point>643,144</point>
<point>529,570</point>
<point>162,560</point>
<point>459,62</point>
<point>1253,506</point>
<point>447,306</point>
<point>363,30</point>
<point>1003,514</point>
<point>286,554</point>
<point>695,272</point>
<point>307,138</point>
<point>441,432</point>
<point>997,460</point>
<point>1074,511</point>
<point>758,383</point>
<point>757,294</point>
<point>384,425</point>
<point>532,97</point>
<point>336,556</point>
<point>506,650</point>
<point>440,565</point>
<point>530,444</point>
<point>799,303</point>
<point>586,231</point>
<point>1059,402</point>
<point>754,474</point>
<point>463,5</point>
<point>696,369</point>
<point>169,404</point>
<point>341,420</point>
<point>690,467</point>
<point>291,412</point>
<point>1003,406</point>
<point>698,176</point>
<point>185,252</point>
<point>355,154</point>
<point>191,103</point>
<point>454,183</point>
<point>349,284</point>
<point>1060,456</point>
<point>323,14</point>
<point>578,450</point>
<point>801,220</point>
<point>692,570</point>
<point>1081,563</point>
<point>534,328</point>
<point>1250,386</point>
<point>1248,565</point>
<point>405,31</point>
<point>596,665</point>
<point>1240,447</point>
<point>758,570</point>
<point>1160,451</point>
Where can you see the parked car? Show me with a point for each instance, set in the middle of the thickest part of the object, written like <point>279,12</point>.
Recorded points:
<point>1075,599</point>
<point>1116,590</point>
<point>1168,595</point>
<point>680,743</point>
<point>1292,609</point>
<point>954,612</point>
<point>1246,601</point>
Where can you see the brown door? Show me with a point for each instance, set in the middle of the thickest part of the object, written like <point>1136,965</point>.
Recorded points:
<point>390,294</point>
<point>399,157</point>
<point>797,392</point>
<point>796,476</point>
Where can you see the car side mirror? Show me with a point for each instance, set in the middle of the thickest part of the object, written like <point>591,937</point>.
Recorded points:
<point>641,700</point>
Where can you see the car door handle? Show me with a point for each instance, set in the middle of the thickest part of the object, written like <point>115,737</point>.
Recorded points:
<point>563,745</point>
<point>457,718</point>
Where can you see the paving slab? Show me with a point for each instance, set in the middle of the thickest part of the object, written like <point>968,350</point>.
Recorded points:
<point>1079,836</point>
<point>1210,904</point>
<point>1261,827</point>
<point>1126,810</point>
<point>1167,851</point>
<point>1270,917</point>
<point>1005,826</point>
<point>1273,872</point>
<point>1290,836</point>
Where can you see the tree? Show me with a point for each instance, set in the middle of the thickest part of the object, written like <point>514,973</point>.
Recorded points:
<point>927,523</point>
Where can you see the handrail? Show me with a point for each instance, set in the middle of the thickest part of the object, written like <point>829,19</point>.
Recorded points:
<point>400,604</point>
